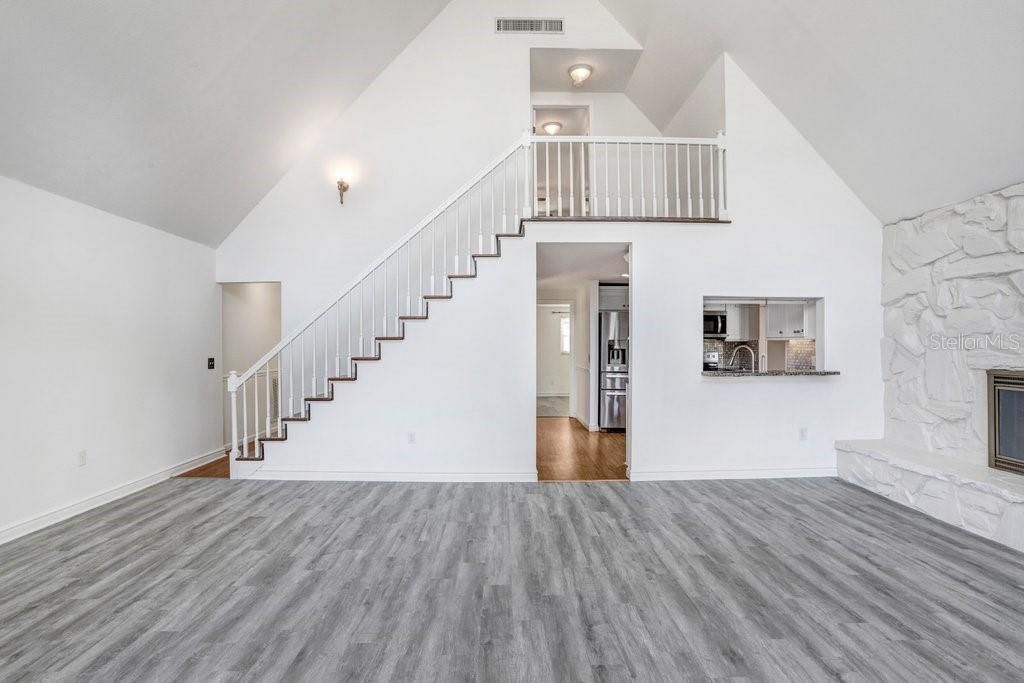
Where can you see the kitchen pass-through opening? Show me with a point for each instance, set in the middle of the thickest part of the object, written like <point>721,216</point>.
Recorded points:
<point>583,359</point>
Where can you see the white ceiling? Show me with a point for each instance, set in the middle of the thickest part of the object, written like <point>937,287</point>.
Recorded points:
<point>183,114</point>
<point>565,266</point>
<point>916,104</point>
<point>549,69</point>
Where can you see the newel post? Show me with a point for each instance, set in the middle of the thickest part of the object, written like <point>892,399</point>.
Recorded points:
<point>233,390</point>
<point>723,208</point>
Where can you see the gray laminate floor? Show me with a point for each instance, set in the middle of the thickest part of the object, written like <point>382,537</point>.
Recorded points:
<point>204,579</point>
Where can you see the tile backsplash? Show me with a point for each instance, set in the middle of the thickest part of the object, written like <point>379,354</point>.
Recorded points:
<point>800,353</point>
<point>725,350</point>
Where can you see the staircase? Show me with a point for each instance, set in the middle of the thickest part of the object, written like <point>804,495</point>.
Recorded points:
<point>537,178</point>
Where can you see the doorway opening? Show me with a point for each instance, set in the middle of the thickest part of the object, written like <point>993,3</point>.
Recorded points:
<point>558,119</point>
<point>583,331</point>
<point>250,324</point>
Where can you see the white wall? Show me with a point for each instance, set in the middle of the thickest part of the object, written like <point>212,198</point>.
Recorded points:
<point>456,97</point>
<point>583,393</point>
<point>465,380</point>
<point>251,322</point>
<point>107,325</point>
<point>554,369</point>
<point>456,400</point>
<point>703,112</point>
<point>611,113</point>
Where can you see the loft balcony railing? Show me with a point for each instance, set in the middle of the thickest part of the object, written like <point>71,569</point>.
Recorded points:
<point>629,178</point>
<point>538,178</point>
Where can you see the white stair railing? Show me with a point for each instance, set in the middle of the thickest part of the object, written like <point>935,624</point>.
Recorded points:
<point>630,178</point>
<point>538,177</point>
<point>375,304</point>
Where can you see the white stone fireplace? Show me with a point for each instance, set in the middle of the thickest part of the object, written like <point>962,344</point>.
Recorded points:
<point>953,307</point>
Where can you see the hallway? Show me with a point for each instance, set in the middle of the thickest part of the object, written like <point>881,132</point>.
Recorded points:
<point>567,451</point>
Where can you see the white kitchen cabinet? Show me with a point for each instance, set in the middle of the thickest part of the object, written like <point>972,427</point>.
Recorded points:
<point>810,319</point>
<point>786,321</point>
<point>741,322</point>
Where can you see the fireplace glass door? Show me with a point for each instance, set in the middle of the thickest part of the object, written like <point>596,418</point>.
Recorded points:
<point>1006,420</point>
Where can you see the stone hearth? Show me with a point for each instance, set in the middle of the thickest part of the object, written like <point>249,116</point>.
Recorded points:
<point>977,498</point>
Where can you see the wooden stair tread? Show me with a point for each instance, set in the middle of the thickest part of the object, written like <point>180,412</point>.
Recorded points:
<point>437,296</point>
<point>390,338</point>
<point>341,379</point>
<point>360,359</point>
<point>412,317</point>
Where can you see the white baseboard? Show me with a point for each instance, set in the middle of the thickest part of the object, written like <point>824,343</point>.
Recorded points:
<point>19,529</point>
<point>774,473</point>
<point>315,474</point>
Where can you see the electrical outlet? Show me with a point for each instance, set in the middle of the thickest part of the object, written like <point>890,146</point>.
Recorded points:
<point>803,433</point>
<point>82,458</point>
<point>411,437</point>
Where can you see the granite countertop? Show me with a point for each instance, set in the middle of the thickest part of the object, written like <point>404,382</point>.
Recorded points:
<point>770,373</point>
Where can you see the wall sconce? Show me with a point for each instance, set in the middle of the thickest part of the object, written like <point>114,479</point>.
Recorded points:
<point>342,189</point>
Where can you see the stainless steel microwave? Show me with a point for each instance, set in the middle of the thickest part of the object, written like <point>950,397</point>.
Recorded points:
<point>714,324</point>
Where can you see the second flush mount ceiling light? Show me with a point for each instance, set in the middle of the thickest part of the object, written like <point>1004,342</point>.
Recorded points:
<point>579,73</point>
<point>552,127</point>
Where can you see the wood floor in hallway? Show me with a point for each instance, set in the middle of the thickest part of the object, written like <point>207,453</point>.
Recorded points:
<point>567,451</point>
<point>218,469</point>
<point>770,580</point>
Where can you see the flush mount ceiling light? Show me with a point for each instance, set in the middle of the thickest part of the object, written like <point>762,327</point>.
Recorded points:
<point>552,127</point>
<point>579,73</point>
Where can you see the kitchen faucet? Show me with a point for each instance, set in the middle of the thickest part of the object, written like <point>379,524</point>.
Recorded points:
<point>753,360</point>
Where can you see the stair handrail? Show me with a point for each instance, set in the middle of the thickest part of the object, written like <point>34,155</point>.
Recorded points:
<point>235,380</point>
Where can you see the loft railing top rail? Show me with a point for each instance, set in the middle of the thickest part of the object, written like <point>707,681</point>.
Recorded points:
<point>323,310</point>
<point>718,140</point>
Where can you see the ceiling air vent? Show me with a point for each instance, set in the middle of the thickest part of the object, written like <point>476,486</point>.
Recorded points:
<point>523,25</point>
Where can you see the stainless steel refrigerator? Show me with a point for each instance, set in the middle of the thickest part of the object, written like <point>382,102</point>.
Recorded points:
<point>614,378</point>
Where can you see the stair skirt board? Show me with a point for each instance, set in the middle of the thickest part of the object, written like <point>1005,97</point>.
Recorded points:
<point>314,474</point>
<point>259,456</point>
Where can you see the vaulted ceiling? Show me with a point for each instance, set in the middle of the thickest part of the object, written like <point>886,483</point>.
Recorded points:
<point>183,114</point>
<point>915,103</point>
